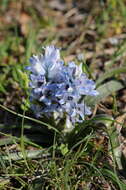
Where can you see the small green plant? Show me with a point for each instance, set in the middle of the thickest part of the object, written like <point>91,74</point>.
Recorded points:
<point>38,153</point>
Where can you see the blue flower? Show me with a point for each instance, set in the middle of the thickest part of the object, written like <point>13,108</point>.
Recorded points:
<point>59,88</point>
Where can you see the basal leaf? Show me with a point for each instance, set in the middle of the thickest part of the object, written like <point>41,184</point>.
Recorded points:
<point>110,73</point>
<point>104,91</point>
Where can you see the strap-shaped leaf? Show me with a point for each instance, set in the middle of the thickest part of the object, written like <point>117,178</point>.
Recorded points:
<point>110,73</point>
<point>104,91</point>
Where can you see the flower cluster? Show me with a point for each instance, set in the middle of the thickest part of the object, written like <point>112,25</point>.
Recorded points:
<point>59,88</point>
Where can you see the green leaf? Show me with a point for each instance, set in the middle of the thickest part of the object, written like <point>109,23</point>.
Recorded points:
<point>64,149</point>
<point>110,174</point>
<point>24,81</point>
<point>110,73</point>
<point>2,89</point>
<point>104,91</point>
<point>31,154</point>
<point>114,144</point>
